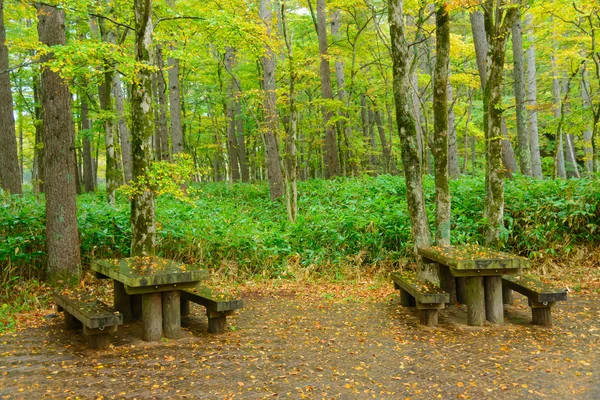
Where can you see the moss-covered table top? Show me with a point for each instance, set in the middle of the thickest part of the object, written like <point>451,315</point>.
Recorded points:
<point>465,258</point>
<point>148,271</point>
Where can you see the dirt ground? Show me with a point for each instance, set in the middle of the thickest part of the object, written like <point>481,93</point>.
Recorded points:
<point>325,342</point>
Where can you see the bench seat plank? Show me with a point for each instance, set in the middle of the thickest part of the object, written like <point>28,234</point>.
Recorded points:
<point>423,291</point>
<point>215,302</point>
<point>91,312</point>
<point>535,290</point>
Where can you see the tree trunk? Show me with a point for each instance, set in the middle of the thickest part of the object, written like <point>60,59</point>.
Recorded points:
<point>453,169</point>
<point>38,155</point>
<point>332,167</point>
<point>241,142</point>
<point>385,147</point>
<point>532,120</point>
<point>440,119</point>
<point>497,21</point>
<point>123,130</point>
<point>162,129</point>
<point>10,175</point>
<point>62,236</point>
<point>509,160</point>
<point>175,101</point>
<point>230,106</point>
<point>276,187</point>
<point>587,133</point>
<point>112,172</point>
<point>88,168</point>
<point>142,202</point>
<point>523,147</point>
<point>559,154</point>
<point>406,127</point>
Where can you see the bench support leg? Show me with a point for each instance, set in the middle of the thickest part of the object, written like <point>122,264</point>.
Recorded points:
<point>508,297</point>
<point>493,299</point>
<point>136,307</point>
<point>122,301</point>
<point>72,323</point>
<point>99,339</point>
<point>461,290</point>
<point>475,300</point>
<point>152,316</point>
<point>406,299</point>
<point>171,314</point>
<point>448,283</point>
<point>217,322</point>
<point>184,307</point>
<point>428,317</point>
<point>541,314</point>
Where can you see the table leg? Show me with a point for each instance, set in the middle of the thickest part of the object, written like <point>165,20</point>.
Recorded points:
<point>448,283</point>
<point>493,299</point>
<point>171,314</point>
<point>122,301</point>
<point>461,290</point>
<point>152,316</point>
<point>475,300</point>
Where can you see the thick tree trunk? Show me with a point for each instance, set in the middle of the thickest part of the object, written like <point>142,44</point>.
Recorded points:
<point>62,236</point>
<point>142,202</point>
<point>509,160</point>
<point>523,146</point>
<point>532,120</point>
<point>276,188</point>
<point>406,127</point>
<point>10,175</point>
<point>440,119</point>
<point>332,166</point>
<point>123,129</point>
<point>481,45</point>
<point>88,168</point>
<point>497,31</point>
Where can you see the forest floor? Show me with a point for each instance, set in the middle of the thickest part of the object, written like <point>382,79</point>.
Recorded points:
<point>299,340</point>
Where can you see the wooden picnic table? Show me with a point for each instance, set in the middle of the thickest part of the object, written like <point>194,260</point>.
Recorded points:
<point>482,270</point>
<point>158,283</point>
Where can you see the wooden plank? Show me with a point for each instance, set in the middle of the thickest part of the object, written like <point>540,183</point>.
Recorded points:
<point>422,291</point>
<point>90,311</point>
<point>216,302</point>
<point>133,290</point>
<point>473,257</point>
<point>148,271</point>
<point>535,290</point>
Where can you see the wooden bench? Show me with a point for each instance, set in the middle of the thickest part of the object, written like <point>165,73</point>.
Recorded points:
<point>218,306</point>
<point>541,296</point>
<point>96,318</point>
<point>427,297</point>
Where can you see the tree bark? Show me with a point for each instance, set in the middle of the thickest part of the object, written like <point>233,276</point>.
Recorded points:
<point>230,108</point>
<point>123,129</point>
<point>559,154</point>
<point>241,142</point>
<point>453,169</point>
<point>175,101</point>
<point>88,169</point>
<point>10,174</point>
<point>587,133</point>
<point>62,236</point>
<point>276,188</point>
<point>440,119</point>
<point>162,129</point>
<point>406,127</point>
<point>142,202</point>
<point>532,118</point>
<point>332,166</point>
<point>523,146</point>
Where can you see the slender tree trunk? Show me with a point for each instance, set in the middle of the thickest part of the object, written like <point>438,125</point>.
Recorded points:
<point>230,107</point>
<point>385,147</point>
<point>532,120</point>
<point>332,166</point>
<point>123,129</point>
<point>38,182</point>
<point>440,119</point>
<point>587,133</point>
<point>143,225</point>
<point>523,146</point>
<point>374,151</point>
<point>559,154</point>
<point>10,176</point>
<point>406,128</point>
<point>175,101</point>
<point>62,236</point>
<point>112,173</point>
<point>88,169</point>
<point>241,142</point>
<point>509,160</point>
<point>162,129</point>
<point>276,188</point>
<point>453,169</point>
<point>467,136</point>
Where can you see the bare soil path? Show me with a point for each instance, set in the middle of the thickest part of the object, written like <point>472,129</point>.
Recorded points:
<point>325,342</point>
